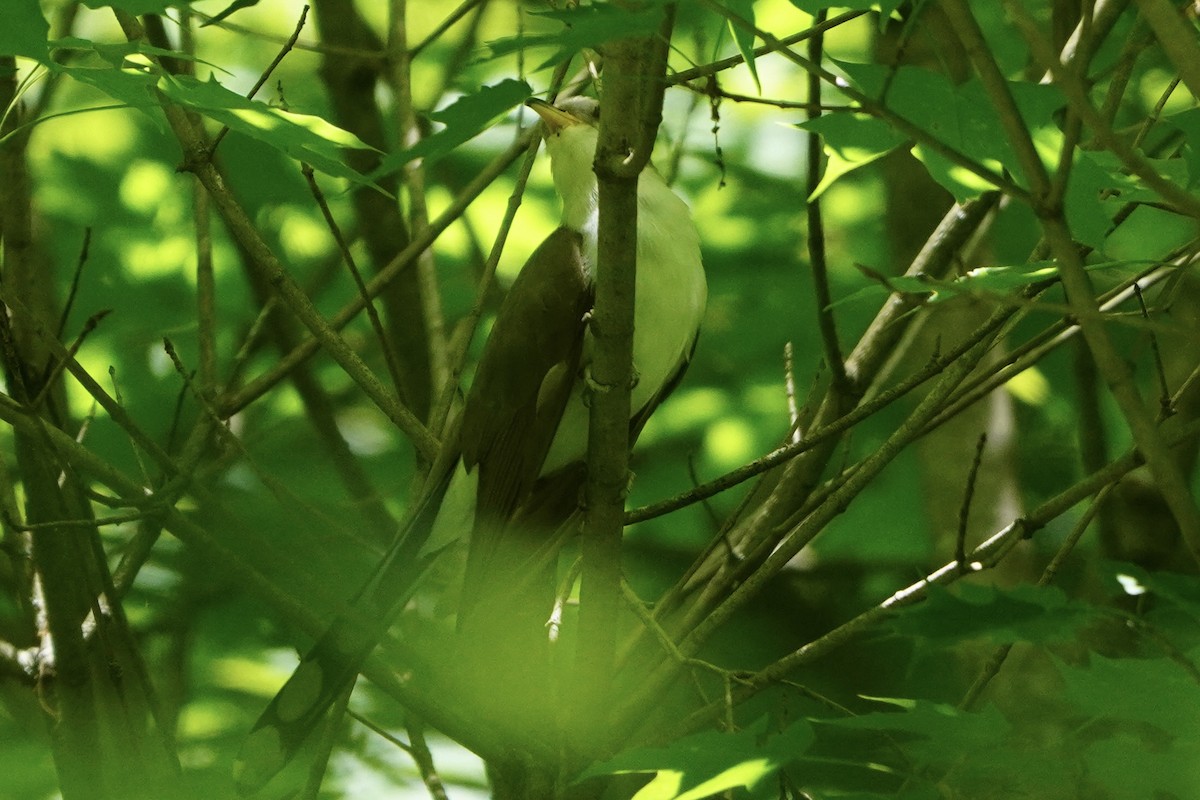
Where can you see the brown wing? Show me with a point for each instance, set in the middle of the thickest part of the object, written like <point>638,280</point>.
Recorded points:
<point>529,365</point>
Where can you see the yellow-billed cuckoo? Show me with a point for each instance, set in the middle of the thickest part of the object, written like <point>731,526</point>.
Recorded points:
<point>520,451</point>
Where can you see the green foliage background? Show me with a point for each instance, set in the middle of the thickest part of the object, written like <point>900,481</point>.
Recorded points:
<point>1097,697</point>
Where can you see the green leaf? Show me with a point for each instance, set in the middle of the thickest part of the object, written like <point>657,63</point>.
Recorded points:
<point>587,26</point>
<point>977,748</point>
<point>1188,123</point>
<point>1153,691</point>
<point>885,7</point>
<point>23,30</point>
<point>137,6</point>
<point>1002,616</point>
<point>985,281</point>
<point>743,38</point>
<point>1087,214</point>
<point>1128,770</point>
<point>1149,234</point>
<point>703,765</point>
<point>465,118</point>
<point>1178,590</point>
<point>131,85</point>
<point>959,116</point>
<point>851,141</point>
<point>118,54</point>
<point>928,720</point>
<point>130,77</point>
<point>307,138</point>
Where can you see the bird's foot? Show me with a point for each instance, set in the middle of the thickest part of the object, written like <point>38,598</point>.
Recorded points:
<point>592,386</point>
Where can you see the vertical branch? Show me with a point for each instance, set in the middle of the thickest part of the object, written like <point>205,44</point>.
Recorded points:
<point>626,140</point>
<point>816,226</point>
<point>351,83</point>
<point>206,289</point>
<point>400,77</point>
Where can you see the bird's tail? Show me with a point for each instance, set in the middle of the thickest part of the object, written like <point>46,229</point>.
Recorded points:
<point>329,668</point>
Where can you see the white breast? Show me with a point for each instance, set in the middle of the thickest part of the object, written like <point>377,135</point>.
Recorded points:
<point>671,290</point>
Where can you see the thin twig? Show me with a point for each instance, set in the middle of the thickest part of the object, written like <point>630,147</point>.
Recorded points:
<point>231,404</point>
<point>964,513</point>
<point>61,363</point>
<point>446,24</point>
<point>389,356</point>
<point>814,437</point>
<point>815,241</point>
<point>983,557</point>
<point>1164,391</point>
<point>706,70</point>
<point>266,75</point>
<point>75,276</point>
<point>423,758</point>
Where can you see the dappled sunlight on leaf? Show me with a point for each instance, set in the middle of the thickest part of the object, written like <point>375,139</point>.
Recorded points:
<point>1029,386</point>
<point>707,763</point>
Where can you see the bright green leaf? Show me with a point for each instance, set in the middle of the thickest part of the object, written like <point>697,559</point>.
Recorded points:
<point>118,54</point>
<point>885,7</point>
<point>744,39</point>
<point>23,30</point>
<point>708,763</point>
<point>137,6</point>
<point>132,85</point>
<point>464,119</point>
<point>851,141</point>
<point>303,137</point>
<point>587,26</point>
<point>1148,234</point>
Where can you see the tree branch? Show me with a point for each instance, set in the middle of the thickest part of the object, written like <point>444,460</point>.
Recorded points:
<point>633,87</point>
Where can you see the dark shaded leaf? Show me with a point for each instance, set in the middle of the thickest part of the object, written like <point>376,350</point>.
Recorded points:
<point>23,30</point>
<point>929,720</point>
<point>1154,691</point>
<point>1188,123</point>
<point>1002,616</point>
<point>1128,770</point>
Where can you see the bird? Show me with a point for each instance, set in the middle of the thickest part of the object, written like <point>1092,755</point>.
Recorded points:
<point>510,477</point>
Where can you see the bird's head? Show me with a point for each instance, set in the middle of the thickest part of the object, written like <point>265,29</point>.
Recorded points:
<point>571,135</point>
